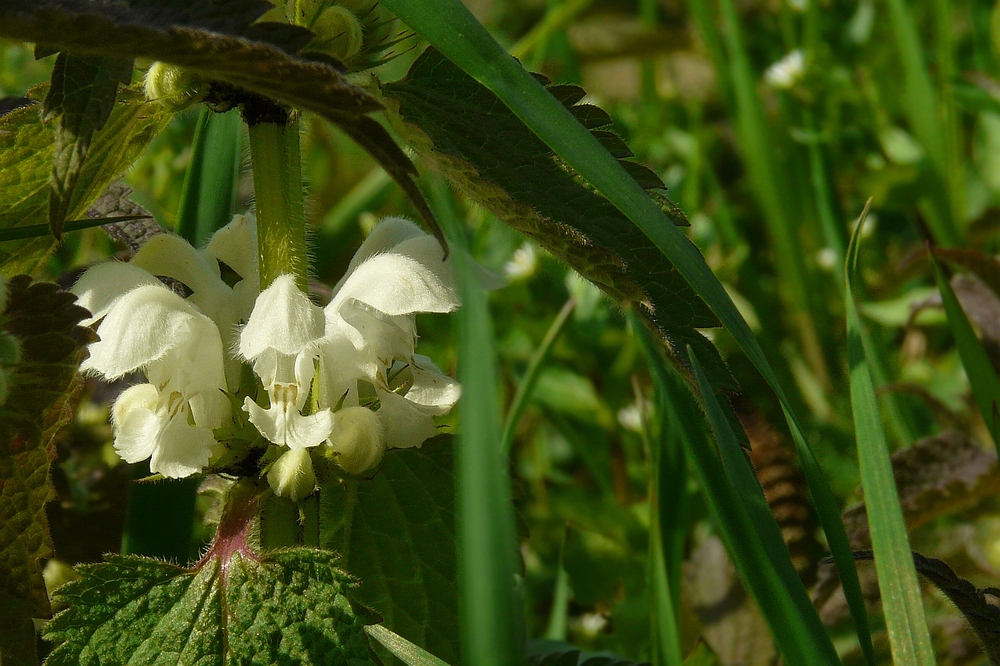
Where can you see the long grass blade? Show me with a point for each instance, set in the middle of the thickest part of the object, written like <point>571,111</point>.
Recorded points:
<point>208,195</point>
<point>449,26</point>
<point>402,649</point>
<point>897,577</point>
<point>737,507</point>
<point>979,369</point>
<point>491,625</point>
<point>760,553</point>
<point>668,506</point>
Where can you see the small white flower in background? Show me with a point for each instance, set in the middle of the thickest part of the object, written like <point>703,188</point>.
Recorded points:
<point>522,264</point>
<point>788,71</point>
<point>372,392</point>
<point>178,343</point>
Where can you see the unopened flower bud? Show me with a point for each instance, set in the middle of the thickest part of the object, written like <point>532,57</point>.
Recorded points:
<point>338,33</point>
<point>356,443</point>
<point>174,87</point>
<point>292,475</point>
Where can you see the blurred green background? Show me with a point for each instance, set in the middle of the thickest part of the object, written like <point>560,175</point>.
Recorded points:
<point>771,122</point>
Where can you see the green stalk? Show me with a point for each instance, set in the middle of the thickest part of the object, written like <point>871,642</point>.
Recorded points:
<point>277,183</point>
<point>527,385</point>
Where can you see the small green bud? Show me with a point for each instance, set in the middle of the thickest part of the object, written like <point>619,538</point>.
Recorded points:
<point>356,443</point>
<point>338,32</point>
<point>292,475</point>
<point>174,87</point>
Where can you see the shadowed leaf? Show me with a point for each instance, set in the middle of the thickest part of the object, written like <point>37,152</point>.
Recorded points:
<point>40,382</point>
<point>396,533</point>
<point>486,151</point>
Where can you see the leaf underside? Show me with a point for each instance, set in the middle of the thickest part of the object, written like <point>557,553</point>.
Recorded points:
<point>26,153</point>
<point>220,42</point>
<point>291,607</point>
<point>42,385</point>
<point>486,151</point>
<point>397,535</point>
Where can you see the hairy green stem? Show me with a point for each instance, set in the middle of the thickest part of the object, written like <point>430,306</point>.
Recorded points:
<point>277,182</point>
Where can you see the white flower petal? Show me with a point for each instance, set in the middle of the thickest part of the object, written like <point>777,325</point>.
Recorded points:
<point>404,423</point>
<point>182,449</point>
<point>236,246</point>
<point>136,422</point>
<point>387,234</point>
<point>103,285</point>
<point>171,256</point>
<point>432,390</point>
<point>356,441</point>
<point>283,319</point>
<point>143,326</point>
<point>282,424</point>
<point>395,284</point>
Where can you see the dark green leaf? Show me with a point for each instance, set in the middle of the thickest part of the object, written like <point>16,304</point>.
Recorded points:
<point>496,160</point>
<point>26,153</point>
<point>287,607</point>
<point>396,533</point>
<point>80,99</point>
<point>40,385</point>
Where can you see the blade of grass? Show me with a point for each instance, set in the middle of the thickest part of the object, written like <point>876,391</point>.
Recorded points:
<point>491,626</point>
<point>535,365</point>
<point>897,577</point>
<point>39,230</point>
<point>758,149</point>
<point>756,549</point>
<point>407,652</point>
<point>924,113</point>
<point>208,195</point>
<point>667,524</point>
<point>767,568</point>
<point>450,27</point>
<point>982,376</point>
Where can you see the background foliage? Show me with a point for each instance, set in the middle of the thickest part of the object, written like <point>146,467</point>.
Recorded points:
<point>894,101</point>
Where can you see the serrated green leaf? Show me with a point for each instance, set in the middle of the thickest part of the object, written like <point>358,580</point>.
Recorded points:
<point>286,607</point>
<point>219,42</point>
<point>26,153</point>
<point>81,98</point>
<point>488,152</point>
<point>396,533</point>
<point>41,384</point>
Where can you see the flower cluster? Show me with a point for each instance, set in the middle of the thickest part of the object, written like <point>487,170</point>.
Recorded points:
<point>342,382</point>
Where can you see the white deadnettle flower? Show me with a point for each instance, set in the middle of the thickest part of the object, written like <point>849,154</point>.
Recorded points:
<point>280,340</point>
<point>146,326</point>
<point>362,341</point>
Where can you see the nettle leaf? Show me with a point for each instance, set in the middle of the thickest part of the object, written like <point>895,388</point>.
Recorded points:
<point>81,98</point>
<point>234,607</point>
<point>983,616</point>
<point>27,146</point>
<point>259,57</point>
<point>396,533</point>
<point>936,476</point>
<point>488,153</point>
<point>40,384</point>
<point>576,657</point>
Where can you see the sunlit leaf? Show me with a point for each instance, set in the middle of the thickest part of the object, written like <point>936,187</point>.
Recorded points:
<point>80,100</point>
